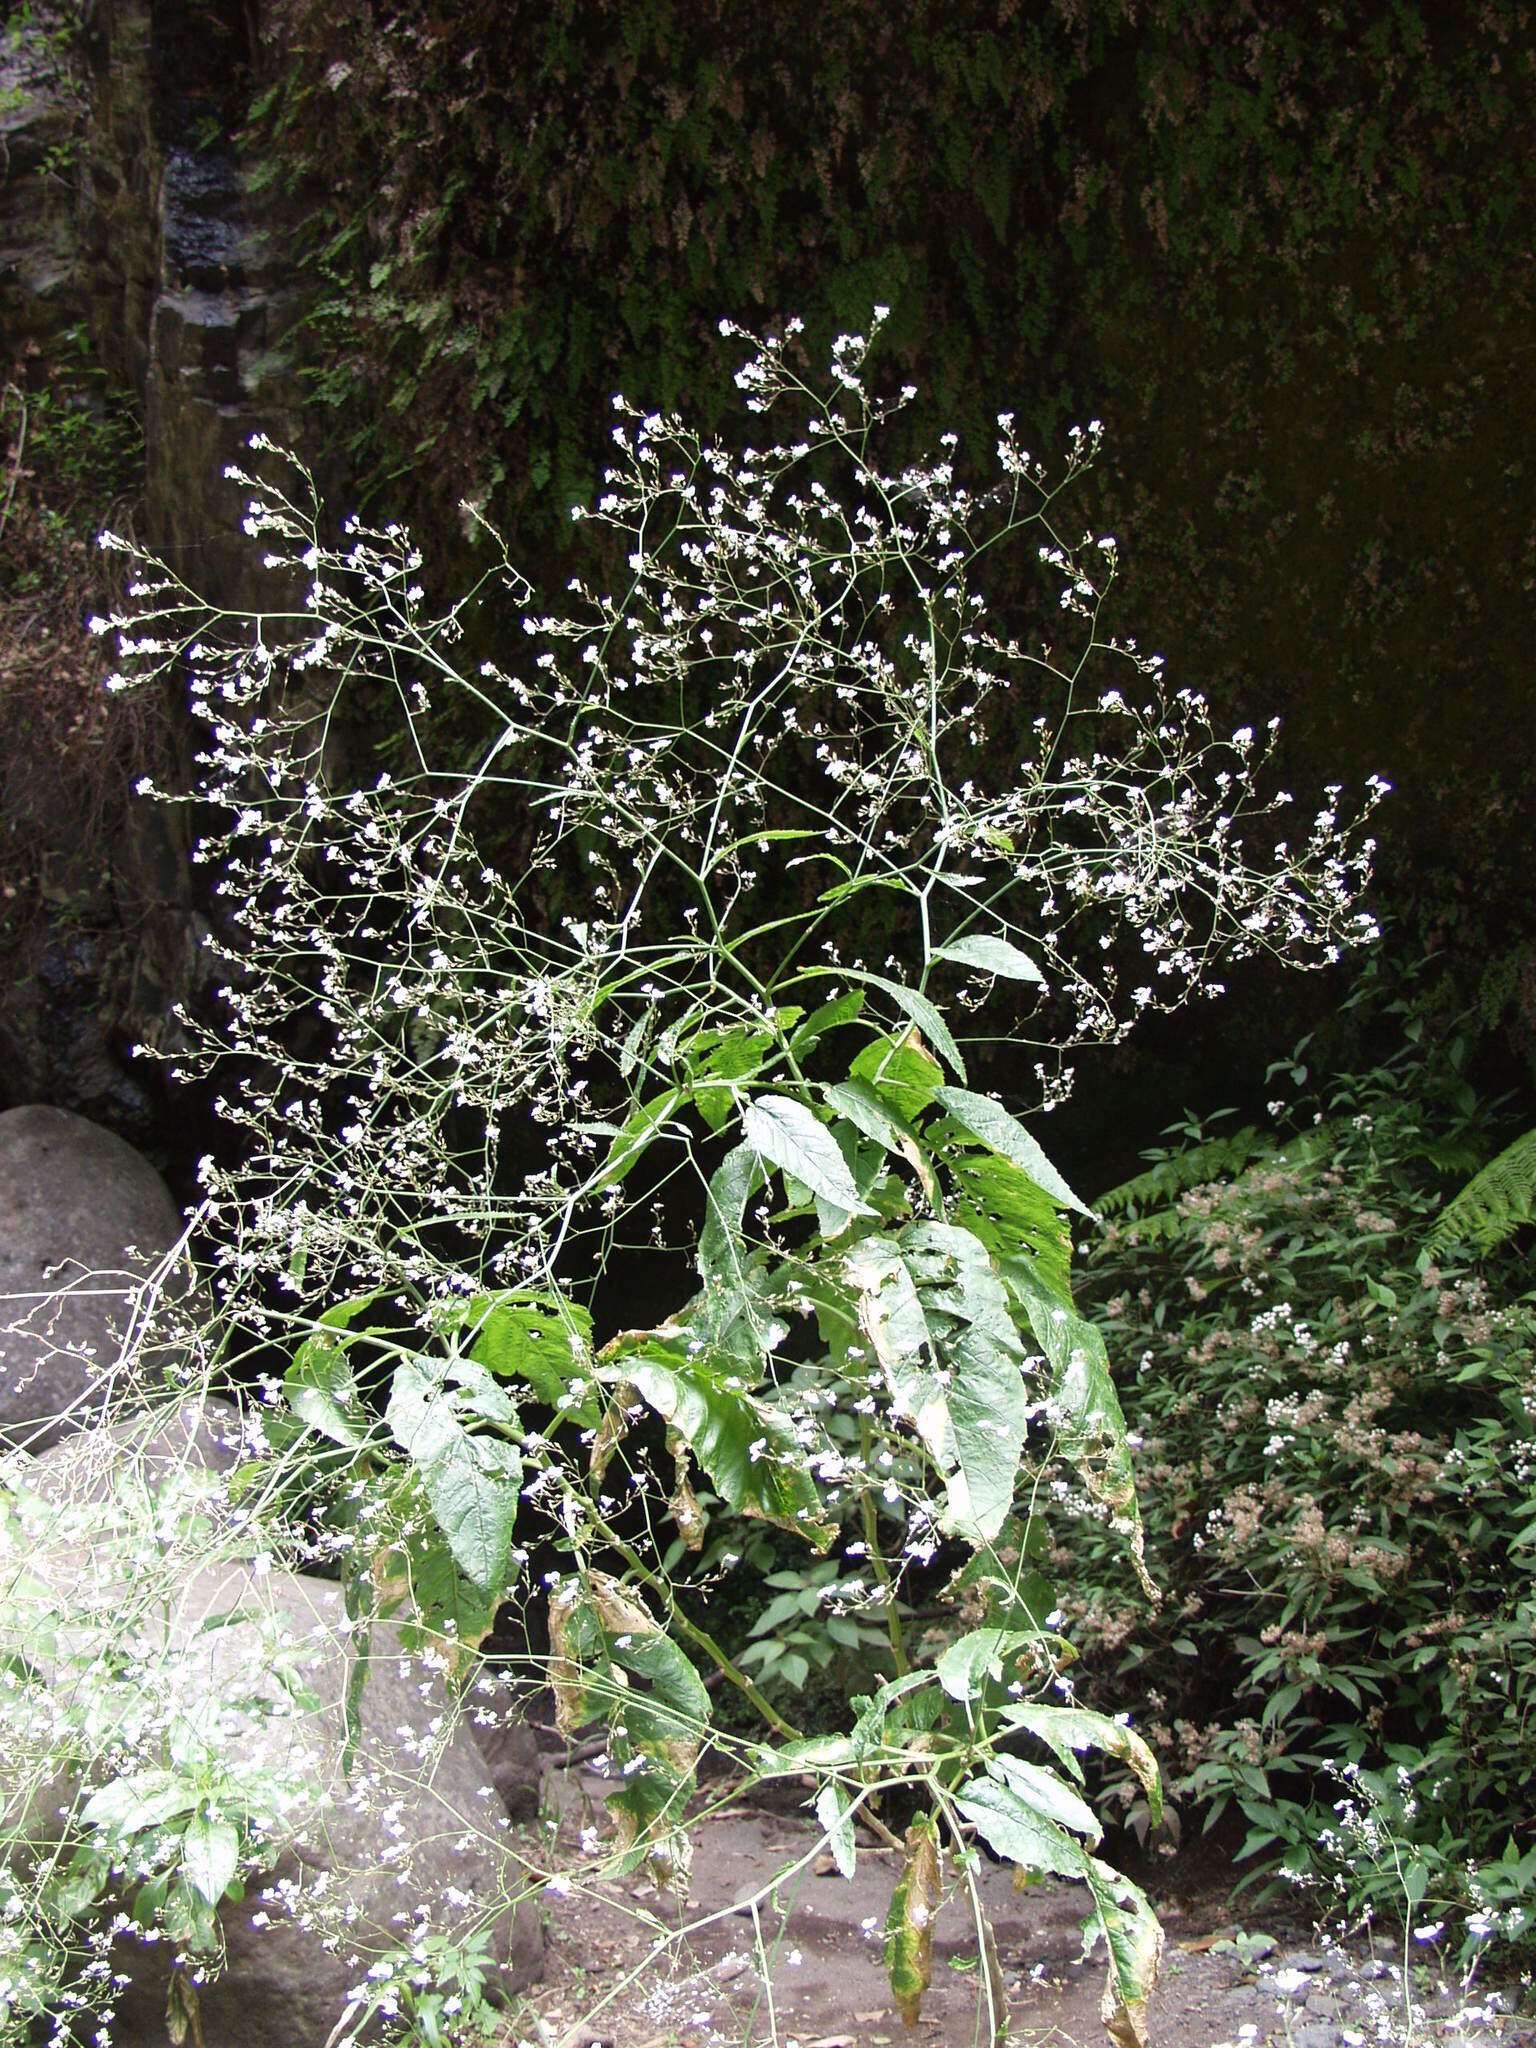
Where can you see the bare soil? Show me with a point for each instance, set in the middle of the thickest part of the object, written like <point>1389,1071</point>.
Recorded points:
<point>774,1946</point>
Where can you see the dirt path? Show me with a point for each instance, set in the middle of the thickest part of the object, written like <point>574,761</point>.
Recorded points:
<point>796,1959</point>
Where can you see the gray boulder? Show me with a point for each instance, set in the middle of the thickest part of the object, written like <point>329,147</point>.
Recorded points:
<point>251,1664</point>
<point>82,1217</point>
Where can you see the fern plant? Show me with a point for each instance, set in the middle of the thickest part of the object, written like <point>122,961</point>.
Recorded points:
<point>1493,1205</point>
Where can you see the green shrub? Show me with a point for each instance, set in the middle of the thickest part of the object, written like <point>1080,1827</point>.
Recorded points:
<point>760,757</point>
<point>1338,1482</point>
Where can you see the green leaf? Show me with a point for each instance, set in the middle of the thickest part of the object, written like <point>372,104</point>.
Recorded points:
<point>732,1185</point>
<point>1067,1731</point>
<point>322,1392</point>
<point>1007,1210</point>
<point>966,1666</point>
<point>144,1799</point>
<point>471,1482</point>
<point>634,1136</point>
<point>902,1072</point>
<point>787,1134</point>
<point>1091,1424</point>
<point>1017,1832</point>
<point>857,885</point>
<point>748,1449</point>
<point>832,1804</point>
<point>991,956</point>
<point>993,1125</point>
<point>738,1056</point>
<point>827,1017</point>
<point>862,1105</point>
<point>1045,1795</point>
<point>938,1318</point>
<point>539,1338</point>
<point>210,1855</point>
<point>913,1005</point>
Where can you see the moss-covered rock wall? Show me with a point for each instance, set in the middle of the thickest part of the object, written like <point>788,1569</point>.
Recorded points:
<point>1283,250</point>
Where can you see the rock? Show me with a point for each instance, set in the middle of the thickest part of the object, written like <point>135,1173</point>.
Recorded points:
<point>412,1842</point>
<point>251,1664</point>
<point>510,1751</point>
<point>82,1216</point>
<point>1314,2036</point>
<point>196,1437</point>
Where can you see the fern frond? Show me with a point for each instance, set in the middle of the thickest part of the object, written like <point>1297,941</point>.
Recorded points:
<point>1181,1171</point>
<point>1493,1204</point>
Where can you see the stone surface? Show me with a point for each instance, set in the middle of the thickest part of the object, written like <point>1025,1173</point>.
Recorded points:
<point>411,1838</point>
<point>510,1752</point>
<point>73,1200</point>
<point>414,1838</point>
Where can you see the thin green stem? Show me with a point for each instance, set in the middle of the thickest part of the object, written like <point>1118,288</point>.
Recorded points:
<point>705,1641</point>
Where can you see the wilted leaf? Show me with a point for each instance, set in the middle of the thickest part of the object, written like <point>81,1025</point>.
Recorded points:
<point>611,1659</point>
<point>690,1518</point>
<point>1135,1944</point>
<point>747,1448</point>
<point>909,1924</point>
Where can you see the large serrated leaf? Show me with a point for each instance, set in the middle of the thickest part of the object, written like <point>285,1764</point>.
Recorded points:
<point>471,1482</point>
<point>1011,1213</point>
<point>902,1071</point>
<point>1067,1731</point>
<point>540,1338</point>
<point>991,955</point>
<point>967,1666</point>
<point>1091,1424</point>
<point>787,1134</point>
<point>994,1126</point>
<point>883,1123</point>
<point>1011,1825</point>
<point>210,1855</point>
<point>747,1448</point>
<point>1045,1794</point>
<point>938,1319</point>
<point>1017,1832</point>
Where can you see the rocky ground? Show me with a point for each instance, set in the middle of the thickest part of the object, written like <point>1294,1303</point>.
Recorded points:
<point>795,1958</point>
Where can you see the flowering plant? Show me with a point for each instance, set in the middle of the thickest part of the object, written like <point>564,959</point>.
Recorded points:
<point>1338,1428</point>
<point>766,741</point>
